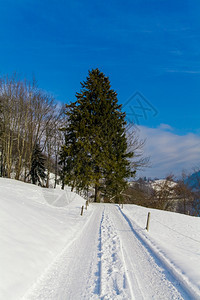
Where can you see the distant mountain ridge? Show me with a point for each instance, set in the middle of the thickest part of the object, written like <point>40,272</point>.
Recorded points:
<point>193,181</point>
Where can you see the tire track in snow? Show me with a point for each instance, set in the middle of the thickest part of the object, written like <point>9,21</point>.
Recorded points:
<point>99,282</point>
<point>146,272</point>
<point>136,285</point>
<point>182,283</point>
<point>113,278</point>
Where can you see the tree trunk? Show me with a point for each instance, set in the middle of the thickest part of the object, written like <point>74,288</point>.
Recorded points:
<point>56,171</point>
<point>47,182</point>
<point>63,185</point>
<point>97,193</point>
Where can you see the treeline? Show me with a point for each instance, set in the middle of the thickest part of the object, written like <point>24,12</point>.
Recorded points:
<point>167,194</point>
<point>87,142</point>
<point>28,117</point>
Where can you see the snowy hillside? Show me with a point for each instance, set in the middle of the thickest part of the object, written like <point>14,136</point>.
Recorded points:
<point>35,225</point>
<point>160,183</point>
<point>48,251</point>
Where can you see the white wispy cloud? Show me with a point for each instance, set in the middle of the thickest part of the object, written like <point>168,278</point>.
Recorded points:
<point>165,127</point>
<point>169,152</point>
<point>183,71</point>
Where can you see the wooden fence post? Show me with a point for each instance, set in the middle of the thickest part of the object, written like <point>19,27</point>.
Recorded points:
<point>148,220</point>
<point>86,204</point>
<point>82,210</point>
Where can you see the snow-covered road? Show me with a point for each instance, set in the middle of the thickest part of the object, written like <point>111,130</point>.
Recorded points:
<point>107,259</point>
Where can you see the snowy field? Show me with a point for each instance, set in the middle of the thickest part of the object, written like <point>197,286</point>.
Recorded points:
<point>48,251</point>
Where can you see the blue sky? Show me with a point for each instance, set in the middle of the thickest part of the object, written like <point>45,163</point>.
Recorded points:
<point>150,47</point>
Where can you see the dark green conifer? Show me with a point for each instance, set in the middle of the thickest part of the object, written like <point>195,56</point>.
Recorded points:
<point>37,171</point>
<point>95,150</point>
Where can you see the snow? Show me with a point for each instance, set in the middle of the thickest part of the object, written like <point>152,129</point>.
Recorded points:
<point>174,238</point>
<point>160,183</point>
<point>48,251</point>
<point>32,232</point>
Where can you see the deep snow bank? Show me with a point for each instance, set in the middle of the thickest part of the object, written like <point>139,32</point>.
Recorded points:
<point>35,224</point>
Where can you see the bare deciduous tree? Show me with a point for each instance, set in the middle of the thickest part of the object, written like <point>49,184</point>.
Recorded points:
<point>136,145</point>
<point>28,116</point>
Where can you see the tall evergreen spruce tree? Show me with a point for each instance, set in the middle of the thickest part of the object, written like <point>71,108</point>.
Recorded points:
<point>95,150</point>
<point>37,171</point>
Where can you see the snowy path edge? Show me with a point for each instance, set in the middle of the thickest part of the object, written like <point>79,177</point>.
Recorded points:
<point>192,291</point>
<point>48,269</point>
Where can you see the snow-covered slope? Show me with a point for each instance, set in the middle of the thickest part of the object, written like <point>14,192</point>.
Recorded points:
<point>48,251</point>
<point>174,238</point>
<point>35,225</point>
